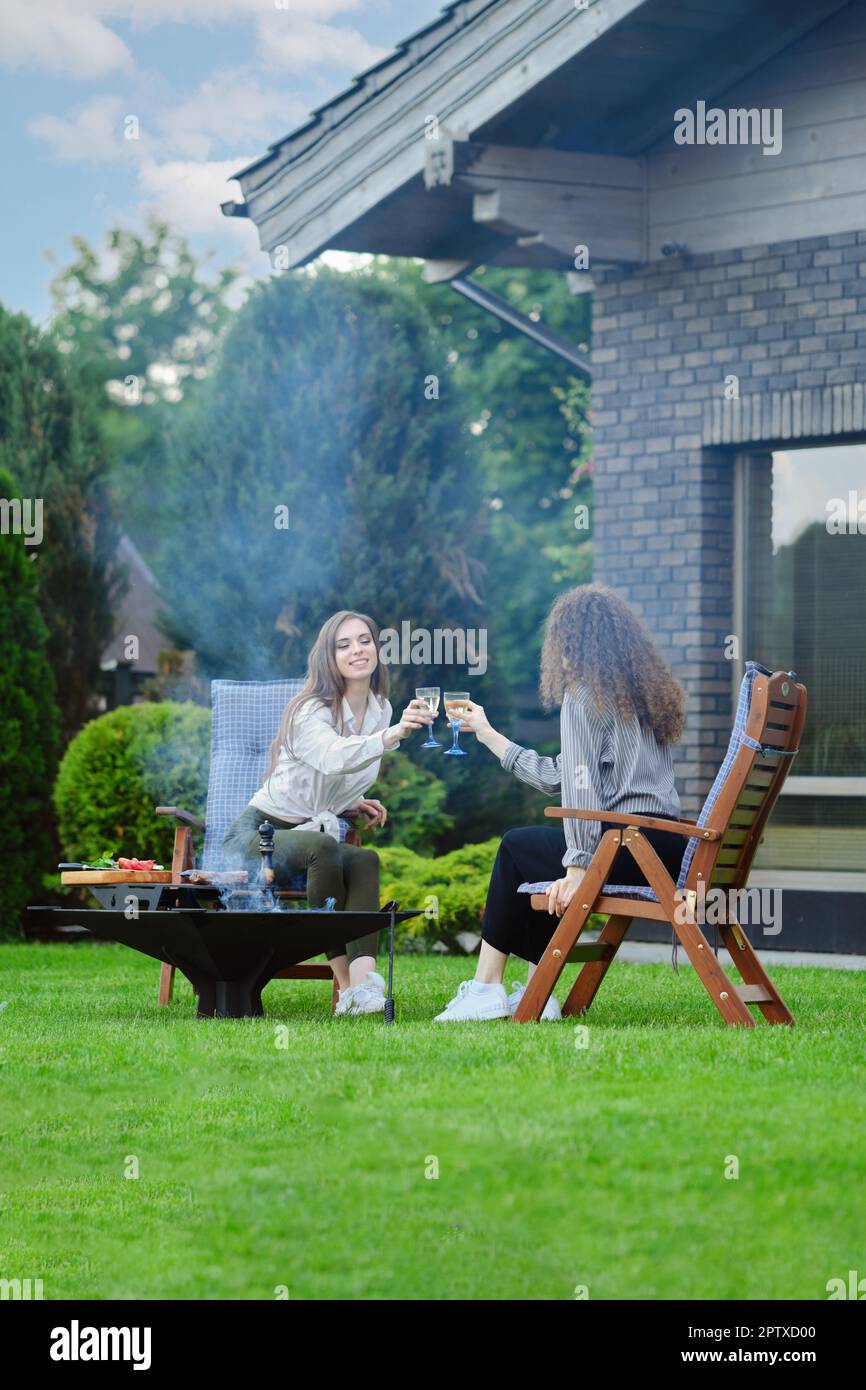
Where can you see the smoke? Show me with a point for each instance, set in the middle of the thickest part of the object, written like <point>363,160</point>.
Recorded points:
<point>310,474</point>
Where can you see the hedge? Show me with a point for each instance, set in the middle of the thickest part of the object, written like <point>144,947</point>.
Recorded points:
<point>119,767</point>
<point>452,888</point>
<point>28,726</point>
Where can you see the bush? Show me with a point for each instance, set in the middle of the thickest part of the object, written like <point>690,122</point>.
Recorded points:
<point>415,799</point>
<point>123,764</point>
<point>28,728</point>
<point>452,888</point>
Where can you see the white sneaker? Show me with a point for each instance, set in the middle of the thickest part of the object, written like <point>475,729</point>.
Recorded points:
<point>475,1001</point>
<point>551,1010</point>
<point>366,998</point>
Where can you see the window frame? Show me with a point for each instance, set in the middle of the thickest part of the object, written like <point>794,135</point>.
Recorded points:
<point>794,785</point>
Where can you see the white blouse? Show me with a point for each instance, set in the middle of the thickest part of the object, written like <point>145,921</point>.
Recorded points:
<point>327,771</point>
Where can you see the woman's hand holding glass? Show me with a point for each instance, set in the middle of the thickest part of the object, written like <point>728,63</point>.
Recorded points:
<point>416,715</point>
<point>476,722</point>
<point>473,719</point>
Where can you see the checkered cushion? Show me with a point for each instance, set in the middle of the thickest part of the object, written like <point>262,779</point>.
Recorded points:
<point>246,717</point>
<point>631,890</point>
<point>741,719</point>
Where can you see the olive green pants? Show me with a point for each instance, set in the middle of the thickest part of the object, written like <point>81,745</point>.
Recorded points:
<point>344,872</point>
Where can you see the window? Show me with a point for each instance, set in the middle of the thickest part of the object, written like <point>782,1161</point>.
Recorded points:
<point>802,562</point>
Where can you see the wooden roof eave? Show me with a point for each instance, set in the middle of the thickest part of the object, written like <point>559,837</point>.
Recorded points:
<point>409,52</point>
<point>303,204</point>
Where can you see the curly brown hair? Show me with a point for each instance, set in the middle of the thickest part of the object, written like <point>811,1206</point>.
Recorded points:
<point>594,637</point>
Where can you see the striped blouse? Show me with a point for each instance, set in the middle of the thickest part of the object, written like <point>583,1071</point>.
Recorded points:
<point>605,764</point>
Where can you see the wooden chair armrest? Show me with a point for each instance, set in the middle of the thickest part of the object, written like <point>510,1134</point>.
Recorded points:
<point>179,814</point>
<point>676,827</point>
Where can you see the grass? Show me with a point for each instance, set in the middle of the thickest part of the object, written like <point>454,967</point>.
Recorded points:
<point>304,1166</point>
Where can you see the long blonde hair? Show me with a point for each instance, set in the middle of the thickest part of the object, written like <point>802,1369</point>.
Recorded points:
<point>324,683</point>
<point>594,637</point>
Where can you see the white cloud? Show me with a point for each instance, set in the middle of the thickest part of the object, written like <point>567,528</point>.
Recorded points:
<point>231,107</point>
<point>187,193</point>
<point>296,44</point>
<point>213,11</point>
<point>95,133</point>
<point>57,37</point>
<point>75,37</point>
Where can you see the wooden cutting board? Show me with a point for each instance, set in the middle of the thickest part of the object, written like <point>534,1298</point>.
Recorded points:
<point>115,876</point>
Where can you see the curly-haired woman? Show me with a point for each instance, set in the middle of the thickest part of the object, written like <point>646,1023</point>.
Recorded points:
<point>621,709</point>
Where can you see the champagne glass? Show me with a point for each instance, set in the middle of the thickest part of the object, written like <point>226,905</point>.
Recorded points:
<point>455,702</point>
<point>430,695</point>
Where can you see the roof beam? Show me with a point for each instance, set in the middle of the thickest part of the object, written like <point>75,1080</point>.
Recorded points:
<point>552,198</point>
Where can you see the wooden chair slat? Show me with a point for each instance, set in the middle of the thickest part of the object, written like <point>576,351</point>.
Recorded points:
<point>631,907</point>
<point>734,837</point>
<point>761,777</point>
<point>752,798</point>
<point>724,876</point>
<point>775,738</point>
<point>591,950</point>
<point>755,994</point>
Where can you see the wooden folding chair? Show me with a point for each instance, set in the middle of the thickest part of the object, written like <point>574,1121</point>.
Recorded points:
<point>246,716</point>
<point>721,846</point>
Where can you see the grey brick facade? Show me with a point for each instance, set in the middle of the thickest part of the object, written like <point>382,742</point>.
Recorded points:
<point>789,321</point>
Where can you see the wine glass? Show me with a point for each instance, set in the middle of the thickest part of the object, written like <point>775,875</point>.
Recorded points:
<point>455,702</point>
<point>430,696</point>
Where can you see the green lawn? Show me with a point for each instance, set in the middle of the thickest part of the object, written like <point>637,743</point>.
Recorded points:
<point>305,1167</point>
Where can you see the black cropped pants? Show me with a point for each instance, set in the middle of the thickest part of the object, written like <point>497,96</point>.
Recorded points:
<point>533,854</point>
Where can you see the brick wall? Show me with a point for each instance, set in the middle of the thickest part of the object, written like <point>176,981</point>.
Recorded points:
<point>789,320</point>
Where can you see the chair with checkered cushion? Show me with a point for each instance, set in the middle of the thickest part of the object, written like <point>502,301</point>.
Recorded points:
<point>246,717</point>
<point>721,846</point>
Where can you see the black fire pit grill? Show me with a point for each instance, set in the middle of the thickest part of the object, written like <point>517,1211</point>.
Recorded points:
<point>227,956</point>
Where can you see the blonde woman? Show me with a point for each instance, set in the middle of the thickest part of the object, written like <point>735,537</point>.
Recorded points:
<point>323,761</point>
<point>620,712</point>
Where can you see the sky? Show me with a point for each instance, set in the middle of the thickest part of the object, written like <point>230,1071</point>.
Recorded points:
<point>206,85</point>
<point>804,480</point>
